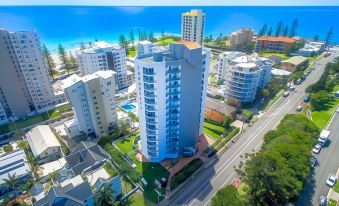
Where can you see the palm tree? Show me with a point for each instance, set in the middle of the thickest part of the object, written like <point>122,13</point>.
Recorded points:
<point>35,169</point>
<point>104,197</point>
<point>53,176</point>
<point>23,144</point>
<point>31,159</point>
<point>12,182</point>
<point>127,173</point>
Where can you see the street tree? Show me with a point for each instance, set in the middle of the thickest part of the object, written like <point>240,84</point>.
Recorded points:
<point>227,122</point>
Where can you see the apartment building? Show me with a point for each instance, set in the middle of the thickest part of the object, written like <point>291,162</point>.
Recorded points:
<point>224,61</point>
<point>241,38</point>
<point>145,47</point>
<point>93,100</point>
<point>246,76</point>
<point>171,91</point>
<point>103,56</point>
<point>25,86</point>
<point>273,43</point>
<point>192,26</point>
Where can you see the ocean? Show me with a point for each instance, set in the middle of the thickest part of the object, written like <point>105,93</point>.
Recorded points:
<point>70,25</point>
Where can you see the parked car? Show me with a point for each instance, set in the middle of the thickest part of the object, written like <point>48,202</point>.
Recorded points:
<point>331,180</point>
<point>314,161</point>
<point>316,149</point>
<point>338,110</point>
<point>292,88</point>
<point>286,94</point>
<point>323,201</point>
<point>309,71</point>
<point>306,99</point>
<point>299,108</point>
<point>298,81</point>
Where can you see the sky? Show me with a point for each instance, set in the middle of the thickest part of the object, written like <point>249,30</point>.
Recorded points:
<point>175,2</point>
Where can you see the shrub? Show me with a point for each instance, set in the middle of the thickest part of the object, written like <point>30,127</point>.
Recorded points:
<point>8,148</point>
<point>186,172</point>
<point>227,196</point>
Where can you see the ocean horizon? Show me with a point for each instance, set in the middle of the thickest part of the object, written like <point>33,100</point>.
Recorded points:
<point>69,25</point>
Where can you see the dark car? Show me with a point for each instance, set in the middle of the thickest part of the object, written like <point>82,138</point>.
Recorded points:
<point>314,161</point>
<point>306,99</point>
<point>323,201</point>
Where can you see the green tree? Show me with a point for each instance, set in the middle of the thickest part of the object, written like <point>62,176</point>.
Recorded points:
<point>49,59</point>
<point>265,93</point>
<point>285,33</point>
<point>72,60</point>
<point>123,42</point>
<point>63,57</point>
<point>279,28</point>
<point>227,122</point>
<point>262,31</point>
<point>31,159</point>
<point>53,176</point>
<point>227,196</point>
<point>35,169</point>
<point>329,36</point>
<point>269,33</point>
<point>12,182</point>
<point>104,197</point>
<point>293,31</point>
<point>139,34</point>
<point>8,148</point>
<point>233,102</point>
<point>23,144</point>
<point>151,37</point>
<point>128,174</point>
<point>131,37</point>
<point>319,99</point>
<point>82,46</point>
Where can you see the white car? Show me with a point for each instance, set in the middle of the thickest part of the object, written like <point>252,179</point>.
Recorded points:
<point>338,110</point>
<point>286,94</point>
<point>316,149</point>
<point>331,180</point>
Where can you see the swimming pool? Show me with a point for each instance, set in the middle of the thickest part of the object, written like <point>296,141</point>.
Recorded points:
<point>128,107</point>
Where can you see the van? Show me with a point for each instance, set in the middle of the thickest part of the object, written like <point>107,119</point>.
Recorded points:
<point>323,137</point>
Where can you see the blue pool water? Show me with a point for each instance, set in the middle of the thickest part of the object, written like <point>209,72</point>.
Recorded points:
<point>129,107</point>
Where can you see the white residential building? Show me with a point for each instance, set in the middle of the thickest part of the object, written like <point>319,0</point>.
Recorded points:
<point>192,26</point>
<point>25,83</point>
<point>311,49</point>
<point>93,101</point>
<point>171,91</point>
<point>241,37</point>
<point>246,76</point>
<point>225,60</point>
<point>145,47</point>
<point>103,56</point>
<point>43,143</point>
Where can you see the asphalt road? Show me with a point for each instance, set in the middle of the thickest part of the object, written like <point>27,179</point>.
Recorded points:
<point>328,163</point>
<point>201,190</point>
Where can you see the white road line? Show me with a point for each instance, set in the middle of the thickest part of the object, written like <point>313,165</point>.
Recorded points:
<point>236,153</point>
<point>333,115</point>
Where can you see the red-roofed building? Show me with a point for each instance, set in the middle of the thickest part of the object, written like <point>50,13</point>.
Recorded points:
<point>272,43</point>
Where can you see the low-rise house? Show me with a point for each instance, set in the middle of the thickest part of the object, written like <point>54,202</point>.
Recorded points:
<point>43,143</point>
<point>13,163</point>
<point>274,58</point>
<point>114,183</point>
<point>85,158</point>
<point>216,110</point>
<point>294,63</point>
<point>73,192</point>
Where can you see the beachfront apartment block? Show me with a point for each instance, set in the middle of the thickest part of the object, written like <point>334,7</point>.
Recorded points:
<point>103,56</point>
<point>145,47</point>
<point>171,90</point>
<point>241,37</point>
<point>192,26</point>
<point>224,61</point>
<point>246,76</point>
<point>25,83</point>
<point>273,43</point>
<point>93,100</point>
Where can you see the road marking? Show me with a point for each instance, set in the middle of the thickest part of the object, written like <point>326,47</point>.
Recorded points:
<point>333,115</point>
<point>246,144</point>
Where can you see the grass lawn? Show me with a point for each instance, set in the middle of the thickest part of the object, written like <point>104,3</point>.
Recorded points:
<point>137,200</point>
<point>320,118</point>
<point>151,171</point>
<point>10,127</point>
<point>131,52</point>
<point>165,41</point>
<point>336,187</point>
<point>126,144</point>
<point>213,130</point>
<point>266,54</point>
<point>332,202</point>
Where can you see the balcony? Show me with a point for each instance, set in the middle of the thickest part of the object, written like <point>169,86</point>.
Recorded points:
<point>173,70</point>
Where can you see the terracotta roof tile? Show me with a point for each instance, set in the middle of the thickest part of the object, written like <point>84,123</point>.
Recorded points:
<point>274,38</point>
<point>188,44</point>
